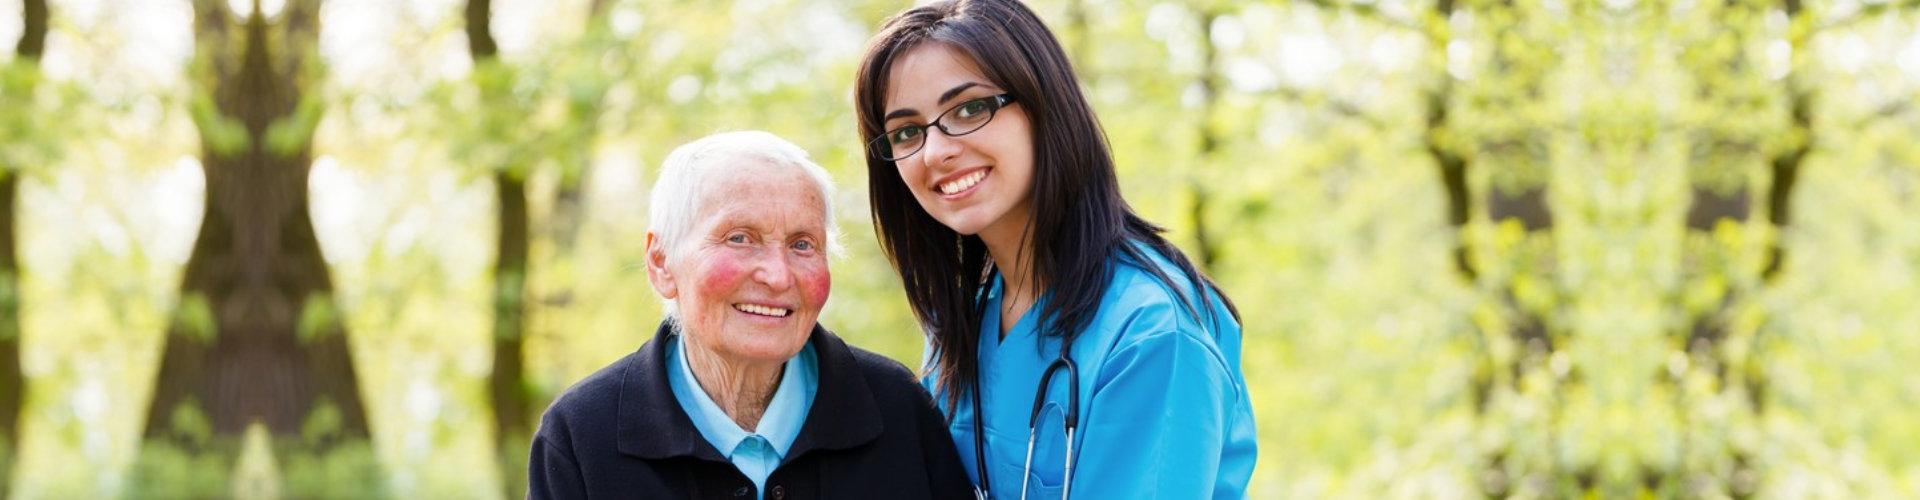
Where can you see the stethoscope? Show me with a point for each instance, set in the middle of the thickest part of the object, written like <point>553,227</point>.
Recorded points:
<point>1033,421</point>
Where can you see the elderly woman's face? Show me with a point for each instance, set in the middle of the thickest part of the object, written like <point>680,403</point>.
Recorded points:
<point>750,275</point>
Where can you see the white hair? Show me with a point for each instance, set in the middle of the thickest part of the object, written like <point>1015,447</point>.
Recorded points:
<point>675,197</point>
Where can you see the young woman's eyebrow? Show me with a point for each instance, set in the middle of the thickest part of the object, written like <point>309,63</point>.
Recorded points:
<point>955,91</point>
<point>944,97</point>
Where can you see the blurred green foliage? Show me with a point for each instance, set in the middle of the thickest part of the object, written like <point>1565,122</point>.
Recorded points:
<point>1642,342</point>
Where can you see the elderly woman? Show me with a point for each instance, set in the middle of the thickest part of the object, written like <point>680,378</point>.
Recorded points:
<point>741,393</point>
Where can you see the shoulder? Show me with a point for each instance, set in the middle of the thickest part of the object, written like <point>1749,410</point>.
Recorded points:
<point>1154,295</point>
<point>889,381</point>
<point>1151,305</point>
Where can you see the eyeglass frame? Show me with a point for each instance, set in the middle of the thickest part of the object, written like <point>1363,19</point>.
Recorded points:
<point>995,104</point>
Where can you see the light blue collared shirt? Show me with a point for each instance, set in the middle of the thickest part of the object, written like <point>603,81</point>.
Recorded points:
<point>756,454</point>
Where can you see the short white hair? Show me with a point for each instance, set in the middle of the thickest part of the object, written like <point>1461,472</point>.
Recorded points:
<point>675,197</point>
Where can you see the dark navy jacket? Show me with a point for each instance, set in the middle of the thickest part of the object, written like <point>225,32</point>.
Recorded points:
<point>873,432</point>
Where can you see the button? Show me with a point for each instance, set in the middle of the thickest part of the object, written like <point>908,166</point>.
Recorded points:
<point>779,492</point>
<point>743,491</point>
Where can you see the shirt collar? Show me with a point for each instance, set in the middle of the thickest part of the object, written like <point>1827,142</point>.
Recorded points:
<point>653,426</point>
<point>779,425</point>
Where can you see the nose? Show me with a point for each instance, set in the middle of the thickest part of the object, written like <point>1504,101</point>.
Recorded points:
<point>939,148</point>
<point>774,271</point>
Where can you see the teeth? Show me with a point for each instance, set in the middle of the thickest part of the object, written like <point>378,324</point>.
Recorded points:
<point>962,183</point>
<point>761,310</point>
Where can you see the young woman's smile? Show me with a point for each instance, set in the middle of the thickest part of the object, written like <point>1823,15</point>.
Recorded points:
<point>960,184</point>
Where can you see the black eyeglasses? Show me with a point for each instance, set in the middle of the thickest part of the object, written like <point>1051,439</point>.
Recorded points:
<point>960,120</point>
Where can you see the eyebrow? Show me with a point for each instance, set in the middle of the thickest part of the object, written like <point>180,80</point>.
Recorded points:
<point>944,97</point>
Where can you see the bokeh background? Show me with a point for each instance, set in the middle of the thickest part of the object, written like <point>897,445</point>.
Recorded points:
<point>1483,248</point>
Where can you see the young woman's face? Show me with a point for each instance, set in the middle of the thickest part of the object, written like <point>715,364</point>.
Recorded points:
<point>976,184</point>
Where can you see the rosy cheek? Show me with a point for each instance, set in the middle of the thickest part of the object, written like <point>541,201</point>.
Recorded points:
<point>722,273</point>
<point>815,283</point>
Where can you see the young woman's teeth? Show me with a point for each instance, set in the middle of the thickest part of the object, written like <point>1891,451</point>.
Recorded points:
<point>962,183</point>
<point>762,310</point>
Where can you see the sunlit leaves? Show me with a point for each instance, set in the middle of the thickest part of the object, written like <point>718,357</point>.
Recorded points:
<point>30,143</point>
<point>1648,368</point>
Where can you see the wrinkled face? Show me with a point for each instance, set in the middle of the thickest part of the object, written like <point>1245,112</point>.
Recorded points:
<point>750,275</point>
<point>976,184</point>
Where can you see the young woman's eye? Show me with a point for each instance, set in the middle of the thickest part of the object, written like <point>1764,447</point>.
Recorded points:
<point>906,134</point>
<point>971,109</point>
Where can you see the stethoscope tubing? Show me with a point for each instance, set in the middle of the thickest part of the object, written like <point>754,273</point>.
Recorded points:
<point>1033,423</point>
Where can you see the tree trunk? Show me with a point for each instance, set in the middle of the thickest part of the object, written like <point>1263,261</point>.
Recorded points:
<point>1528,206</point>
<point>1706,210</point>
<point>1786,166</point>
<point>512,426</point>
<point>1209,144</point>
<point>13,381</point>
<point>1453,175</point>
<point>570,202</point>
<point>1710,206</point>
<point>256,340</point>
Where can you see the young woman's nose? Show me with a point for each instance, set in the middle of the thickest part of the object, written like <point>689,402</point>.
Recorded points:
<point>940,148</point>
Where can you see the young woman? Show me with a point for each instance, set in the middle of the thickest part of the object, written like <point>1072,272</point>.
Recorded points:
<point>1075,350</point>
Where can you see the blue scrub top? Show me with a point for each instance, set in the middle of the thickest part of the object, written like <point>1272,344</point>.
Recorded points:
<point>1164,411</point>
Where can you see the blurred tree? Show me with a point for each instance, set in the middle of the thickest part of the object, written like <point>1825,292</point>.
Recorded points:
<point>1629,313</point>
<point>1209,85</point>
<point>507,385</point>
<point>17,79</point>
<point>256,346</point>
<point>567,88</point>
<point>584,90</point>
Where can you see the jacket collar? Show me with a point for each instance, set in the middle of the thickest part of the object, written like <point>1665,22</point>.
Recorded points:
<point>652,426</point>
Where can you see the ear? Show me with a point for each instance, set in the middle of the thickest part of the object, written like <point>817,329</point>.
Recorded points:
<point>657,268</point>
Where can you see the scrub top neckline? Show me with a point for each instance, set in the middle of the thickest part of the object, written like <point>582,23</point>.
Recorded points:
<point>1023,327</point>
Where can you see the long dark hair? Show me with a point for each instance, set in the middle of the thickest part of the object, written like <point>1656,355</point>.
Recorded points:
<point>1079,219</point>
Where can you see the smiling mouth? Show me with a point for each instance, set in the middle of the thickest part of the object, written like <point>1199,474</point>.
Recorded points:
<point>761,310</point>
<point>962,184</point>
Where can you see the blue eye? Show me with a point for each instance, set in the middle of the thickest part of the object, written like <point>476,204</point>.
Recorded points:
<point>737,238</point>
<point>803,245</point>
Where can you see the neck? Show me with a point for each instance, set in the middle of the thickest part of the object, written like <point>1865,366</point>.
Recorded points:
<point>1010,242</point>
<point>1010,245</point>
<point>1013,256</point>
<point>742,390</point>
